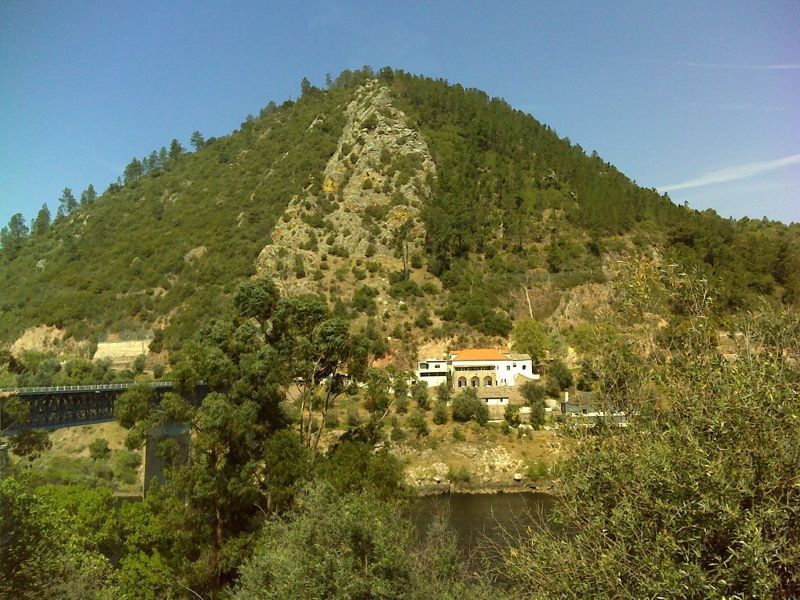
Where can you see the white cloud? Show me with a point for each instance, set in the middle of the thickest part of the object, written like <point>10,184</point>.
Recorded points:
<point>774,67</point>
<point>731,173</point>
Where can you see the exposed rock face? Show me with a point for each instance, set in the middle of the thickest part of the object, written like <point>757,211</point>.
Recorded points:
<point>45,338</point>
<point>372,187</point>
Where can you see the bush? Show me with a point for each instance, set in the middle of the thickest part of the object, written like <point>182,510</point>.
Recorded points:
<point>158,370</point>
<point>460,476</point>
<point>511,416</point>
<point>537,471</point>
<point>559,373</point>
<point>331,419</point>
<point>423,320</point>
<point>128,459</point>
<point>352,417</point>
<point>440,413</point>
<point>458,435</point>
<point>418,424</point>
<point>98,449</point>
<point>467,406</point>
<point>401,405</point>
<point>419,391</point>
<point>139,364</point>
<point>397,435</point>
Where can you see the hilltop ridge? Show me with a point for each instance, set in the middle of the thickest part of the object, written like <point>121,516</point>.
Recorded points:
<point>420,209</point>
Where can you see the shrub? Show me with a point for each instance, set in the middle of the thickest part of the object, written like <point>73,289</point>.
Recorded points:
<point>440,413</point>
<point>459,476</point>
<point>158,370</point>
<point>458,435</point>
<point>537,471</point>
<point>418,424</point>
<point>352,417</point>
<point>532,392</point>
<point>139,364</point>
<point>397,435</point>
<point>401,404</point>
<point>331,419</point>
<point>559,373</point>
<point>98,449</point>
<point>467,406</point>
<point>419,391</point>
<point>511,415</point>
<point>423,320</point>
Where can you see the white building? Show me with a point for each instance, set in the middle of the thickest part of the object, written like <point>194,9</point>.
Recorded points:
<point>479,368</point>
<point>433,371</point>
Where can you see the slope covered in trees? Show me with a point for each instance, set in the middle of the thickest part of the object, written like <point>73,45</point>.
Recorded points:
<point>511,204</point>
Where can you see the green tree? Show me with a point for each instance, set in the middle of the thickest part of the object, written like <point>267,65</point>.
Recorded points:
<point>419,391</point>
<point>67,202</point>
<point>139,364</point>
<point>88,196</point>
<point>511,416</point>
<point>418,424</point>
<point>175,150</point>
<point>467,406</point>
<point>378,400</point>
<point>98,449</point>
<point>197,140</point>
<point>530,337</point>
<point>45,549</point>
<point>12,236</point>
<point>133,171</point>
<point>444,392</point>
<point>696,497</point>
<point>559,374</point>
<point>353,546</point>
<point>534,395</point>
<point>440,413</point>
<point>41,224</point>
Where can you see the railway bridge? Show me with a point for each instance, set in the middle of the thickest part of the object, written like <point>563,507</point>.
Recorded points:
<point>70,405</point>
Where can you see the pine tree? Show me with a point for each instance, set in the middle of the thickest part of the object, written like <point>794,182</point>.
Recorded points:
<point>67,202</point>
<point>197,140</point>
<point>88,196</point>
<point>42,221</point>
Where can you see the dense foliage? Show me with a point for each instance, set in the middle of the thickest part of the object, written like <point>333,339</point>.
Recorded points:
<point>698,496</point>
<point>167,243</point>
<point>176,235</point>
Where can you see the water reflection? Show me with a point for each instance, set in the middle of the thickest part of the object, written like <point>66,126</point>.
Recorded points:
<point>483,521</point>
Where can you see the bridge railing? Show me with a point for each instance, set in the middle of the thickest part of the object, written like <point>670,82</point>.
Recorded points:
<point>103,387</point>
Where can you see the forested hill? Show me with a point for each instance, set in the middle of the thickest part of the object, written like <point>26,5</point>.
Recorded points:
<point>454,214</point>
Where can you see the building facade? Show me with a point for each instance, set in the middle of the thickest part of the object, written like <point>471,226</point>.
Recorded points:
<point>478,368</point>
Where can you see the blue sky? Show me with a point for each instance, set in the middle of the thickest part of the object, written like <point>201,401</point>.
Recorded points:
<point>701,99</point>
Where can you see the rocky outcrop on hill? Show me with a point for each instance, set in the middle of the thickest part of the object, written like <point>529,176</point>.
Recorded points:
<point>366,202</point>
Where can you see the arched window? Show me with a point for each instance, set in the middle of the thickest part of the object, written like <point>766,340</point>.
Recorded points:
<point>462,382</point>
<point>487,381</point>
<point>476,381</point>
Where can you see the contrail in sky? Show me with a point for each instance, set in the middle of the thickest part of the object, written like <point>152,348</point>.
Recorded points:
<point>732,173</point>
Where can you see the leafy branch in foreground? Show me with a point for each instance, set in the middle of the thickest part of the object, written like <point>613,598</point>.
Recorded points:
<point>698,497</point>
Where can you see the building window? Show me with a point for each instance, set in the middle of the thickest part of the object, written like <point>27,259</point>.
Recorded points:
<point>487,381</point>
<point>475,382</point>
<point>508,367</point>
<point>462,382</point>
<point>524,367</point>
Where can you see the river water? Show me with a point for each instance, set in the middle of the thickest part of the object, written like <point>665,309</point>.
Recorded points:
<point>481,520</point>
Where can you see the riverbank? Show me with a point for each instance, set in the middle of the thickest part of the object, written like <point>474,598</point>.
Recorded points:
<point>547,487</point>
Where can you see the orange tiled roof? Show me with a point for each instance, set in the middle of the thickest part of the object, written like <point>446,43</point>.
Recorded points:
<point>479,354</point>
